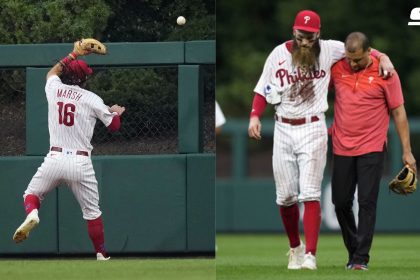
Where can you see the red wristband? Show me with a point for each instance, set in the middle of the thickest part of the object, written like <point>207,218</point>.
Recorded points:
<point>73,55</point>
<point>65,61</point>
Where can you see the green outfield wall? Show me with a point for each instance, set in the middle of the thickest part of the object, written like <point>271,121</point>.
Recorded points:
<point>150,203</point>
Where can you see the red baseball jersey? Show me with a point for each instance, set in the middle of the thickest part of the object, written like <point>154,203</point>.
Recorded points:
<point>363,101</point>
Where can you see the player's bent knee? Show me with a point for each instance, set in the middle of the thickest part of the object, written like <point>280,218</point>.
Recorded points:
<point>91,214</point>
<point>40,195</point>
<point>286,201</point>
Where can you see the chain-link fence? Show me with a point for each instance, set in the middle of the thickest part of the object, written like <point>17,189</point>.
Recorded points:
<point>12,108</point>
<point>149,125</point>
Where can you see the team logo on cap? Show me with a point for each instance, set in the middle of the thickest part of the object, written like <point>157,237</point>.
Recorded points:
<point>307,18</point>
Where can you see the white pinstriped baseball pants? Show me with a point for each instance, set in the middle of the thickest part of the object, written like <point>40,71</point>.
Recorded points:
<point>76,171</point>
<point>299,159</point>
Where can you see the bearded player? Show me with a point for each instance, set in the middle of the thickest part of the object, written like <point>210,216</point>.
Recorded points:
<point>295,80</point>
<point>72,114</point>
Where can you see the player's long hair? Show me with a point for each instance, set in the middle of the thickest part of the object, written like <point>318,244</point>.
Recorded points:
<point>76,73</point>
<point>307,58</point>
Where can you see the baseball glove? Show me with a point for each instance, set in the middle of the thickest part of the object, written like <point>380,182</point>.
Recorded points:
<point>87,46</point>
<point>405,182</point>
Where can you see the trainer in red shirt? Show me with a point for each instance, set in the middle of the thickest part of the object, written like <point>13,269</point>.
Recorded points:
<point>363,104</point>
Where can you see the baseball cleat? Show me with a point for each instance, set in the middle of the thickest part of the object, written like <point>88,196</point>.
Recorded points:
<point>30,222</point>
<point>309,262</point>
<point>296,256</point>
<point>101,257</point>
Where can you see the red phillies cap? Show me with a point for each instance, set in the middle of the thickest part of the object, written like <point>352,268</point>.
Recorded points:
<point>80,69</point>
<point>307,20</point>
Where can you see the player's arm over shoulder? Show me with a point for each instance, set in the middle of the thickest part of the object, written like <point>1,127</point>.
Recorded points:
<point>393,91</point>
<point>334,49</point>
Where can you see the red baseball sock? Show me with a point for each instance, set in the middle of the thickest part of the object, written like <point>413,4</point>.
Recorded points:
<point>290,218</point>
<point>96,234</point>
<point>31,202</point>
<point>311,225</point>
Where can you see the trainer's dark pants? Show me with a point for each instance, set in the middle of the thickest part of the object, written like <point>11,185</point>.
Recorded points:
<point>365,171</point>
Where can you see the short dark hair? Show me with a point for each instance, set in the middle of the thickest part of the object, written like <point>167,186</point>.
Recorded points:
<point>355,41</point>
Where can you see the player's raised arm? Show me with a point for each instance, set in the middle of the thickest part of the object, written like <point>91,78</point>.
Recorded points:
<point>57,69</point>
<point>80,48</point>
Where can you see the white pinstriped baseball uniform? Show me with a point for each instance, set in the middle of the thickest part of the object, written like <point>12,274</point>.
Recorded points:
<point>299,151</point>
<point>72,114</point>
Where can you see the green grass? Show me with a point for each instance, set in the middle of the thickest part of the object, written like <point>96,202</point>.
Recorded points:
<point>393,257</point>
<point>115,269</point>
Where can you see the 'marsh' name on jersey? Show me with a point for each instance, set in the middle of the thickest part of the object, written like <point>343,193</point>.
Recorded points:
<point>69,94</point>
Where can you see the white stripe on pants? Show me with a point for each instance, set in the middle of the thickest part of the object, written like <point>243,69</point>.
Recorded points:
<point>77,172</point>
<point>299,158</point>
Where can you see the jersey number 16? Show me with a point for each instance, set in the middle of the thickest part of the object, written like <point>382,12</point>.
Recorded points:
<point>66,113</point>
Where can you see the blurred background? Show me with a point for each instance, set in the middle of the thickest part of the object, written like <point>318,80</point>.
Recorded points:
<point>247,31</point>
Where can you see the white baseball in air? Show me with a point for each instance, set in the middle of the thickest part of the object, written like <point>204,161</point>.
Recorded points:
<point>181,20</point>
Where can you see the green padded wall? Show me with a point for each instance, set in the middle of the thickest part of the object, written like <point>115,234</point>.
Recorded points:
<point>150,204</point>
<point>143,203</point>
<point>249,206</point>
<point>190,117</point>
<point>200,52</point>
<point>46,55</point>
<point>135,53</point>
<point>201,171</point>
<point>15,177</point>
<point>37,137</point>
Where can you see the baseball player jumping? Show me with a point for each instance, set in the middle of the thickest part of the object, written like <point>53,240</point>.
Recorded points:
<point>72,114</point>
<point>295,79</point>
